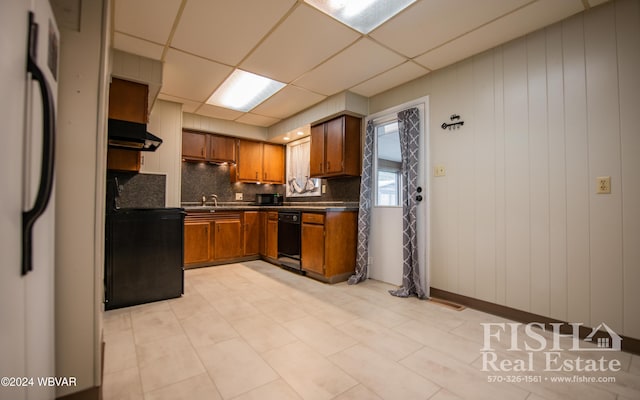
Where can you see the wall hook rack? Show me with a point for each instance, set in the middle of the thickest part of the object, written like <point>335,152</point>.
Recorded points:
<point>453,125</point>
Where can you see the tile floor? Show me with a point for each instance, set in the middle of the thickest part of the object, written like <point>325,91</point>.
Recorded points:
<point>254,331</point>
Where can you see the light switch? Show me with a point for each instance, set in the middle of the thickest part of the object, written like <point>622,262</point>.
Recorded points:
<point>238,196</point>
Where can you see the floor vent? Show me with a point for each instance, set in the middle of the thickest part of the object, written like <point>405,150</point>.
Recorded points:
<point>446,303</point>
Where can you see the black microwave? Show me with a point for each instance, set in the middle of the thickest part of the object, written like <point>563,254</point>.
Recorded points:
<point>269,199</point>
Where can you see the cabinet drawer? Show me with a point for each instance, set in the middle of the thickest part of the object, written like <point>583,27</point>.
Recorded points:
<point>313,218</point>
<point>272,215</point>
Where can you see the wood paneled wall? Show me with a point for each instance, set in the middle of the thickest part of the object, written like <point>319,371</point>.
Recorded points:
<point>516,220</point>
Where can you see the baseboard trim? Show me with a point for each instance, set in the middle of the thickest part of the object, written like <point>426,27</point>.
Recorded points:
<point>629,344</point>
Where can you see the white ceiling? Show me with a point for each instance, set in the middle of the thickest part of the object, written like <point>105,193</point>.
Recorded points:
<point>202,41</point>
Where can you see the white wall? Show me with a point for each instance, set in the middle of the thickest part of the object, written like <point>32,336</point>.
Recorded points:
<point>80,156</point>
<point>516,220</point>
<point>165,121</point>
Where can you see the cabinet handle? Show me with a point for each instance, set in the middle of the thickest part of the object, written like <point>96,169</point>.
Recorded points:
<point>328,165</point>
<point>320,167</point>
<point>265,176</point>
<point>256,175</point>
<point>202,151</point>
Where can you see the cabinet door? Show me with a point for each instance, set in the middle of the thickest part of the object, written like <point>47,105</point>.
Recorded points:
<point>273,163</point>
<point>222,148</point>
<point>334,142</point>
<point>197,237</point>
<point>128,101</point>
<point>251,233</point>
<point>227,239</point>
<point>123,160</point>
<point>272,235</point>
<point>316,157</point>
<point>194,145</point>
<point>312,248</point>
<point>249,163</point>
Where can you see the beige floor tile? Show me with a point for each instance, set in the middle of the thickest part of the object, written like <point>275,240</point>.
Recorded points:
<point>358,392</point>
<point>122,385</point>
<point>386,378</point>
<point>429,312</point>
<point>235,367</point>
<point>457,347</point>
<point>199,387</point>
<point>332,314</point>
<point>151,324</point>
<point>167,361</point>
<point>276,390</point>
<point>116,321</point>
<point>444,394</point>
<point>311,375</point>
<point>120,352</point>
<point>233,308</point>
<point>189,304</point>
<point>377,314</point>
<point>280,310</point>
<point>262,333</point>
<point>319,335</point>
<point>634,365</point>
<point>382,340</point>
<point>458,377</point>
<point>205,329</point>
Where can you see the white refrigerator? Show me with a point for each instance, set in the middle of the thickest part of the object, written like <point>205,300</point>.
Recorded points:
<point>29,43</point>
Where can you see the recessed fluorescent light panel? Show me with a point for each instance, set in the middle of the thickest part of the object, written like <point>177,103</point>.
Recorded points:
<point>242,91</point>
<point>362,15</point>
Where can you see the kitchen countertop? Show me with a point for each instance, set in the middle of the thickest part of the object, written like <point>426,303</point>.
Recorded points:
<point>189,207</point>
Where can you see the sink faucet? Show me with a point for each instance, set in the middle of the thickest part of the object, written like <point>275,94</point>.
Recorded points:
<point>214,198</point>
<point>203,201</point>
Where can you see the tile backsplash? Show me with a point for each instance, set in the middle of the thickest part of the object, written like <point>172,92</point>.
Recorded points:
<point>136,190</point>
<point>205,179</point>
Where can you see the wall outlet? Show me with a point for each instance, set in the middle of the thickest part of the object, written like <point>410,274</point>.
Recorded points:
<point>439,170</point>
<point>604,184</point>
<point>324,189</point>
<point>238,196</point>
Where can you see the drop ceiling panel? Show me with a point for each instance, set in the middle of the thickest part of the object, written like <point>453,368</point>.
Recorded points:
<point>191,77</point>
<point>304,40</point>
<point>288,101</point>
<point>258,120</point>
<point>137,46</point>
<point>428,24</point>
<point>218,112</point>
<point>521,22</point>
<point>225,31</point>
<point>147,19</point>
<point>397,76</point>
<point>187,105</point>
<point>352,66</point>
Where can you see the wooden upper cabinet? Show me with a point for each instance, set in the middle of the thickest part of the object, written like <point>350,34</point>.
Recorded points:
<point>221,148</point>
<point>258,162</point>
<point>316,157</point>
<point>249,161</point>
<point>272,163</point>
<point>194,145</point>
<point>128,101</point>
<point>335,148</point>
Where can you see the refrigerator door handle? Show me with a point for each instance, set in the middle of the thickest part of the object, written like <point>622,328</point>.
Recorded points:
<point>48,149</point>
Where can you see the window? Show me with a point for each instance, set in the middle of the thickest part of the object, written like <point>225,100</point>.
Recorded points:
<point>388,165</point>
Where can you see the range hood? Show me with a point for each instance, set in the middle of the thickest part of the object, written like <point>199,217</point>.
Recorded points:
<point>132,136</point>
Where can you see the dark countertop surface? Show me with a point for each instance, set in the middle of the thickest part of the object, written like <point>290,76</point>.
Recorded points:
<point>301,206</point>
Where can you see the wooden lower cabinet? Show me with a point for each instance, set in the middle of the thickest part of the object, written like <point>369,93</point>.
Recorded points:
<point>197,236</point>
<point>212,237</point>
<point>271,235</point>
<point>227,238</point>
<point>251,233</point>
<point>328,246</point>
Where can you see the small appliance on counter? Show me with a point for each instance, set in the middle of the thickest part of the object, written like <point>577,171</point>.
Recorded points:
<point>269,199</point>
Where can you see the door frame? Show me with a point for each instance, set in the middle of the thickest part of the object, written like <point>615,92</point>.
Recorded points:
<point>424,221</point>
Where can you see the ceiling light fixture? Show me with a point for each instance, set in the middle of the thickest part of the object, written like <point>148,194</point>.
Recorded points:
<point>286,138</point>
<point>242,91</point>
<point>300,133</point>
<point>362,15</point>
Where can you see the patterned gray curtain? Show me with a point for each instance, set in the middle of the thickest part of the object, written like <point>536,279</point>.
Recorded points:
<point>409,129</point>
<point>364,216</point>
